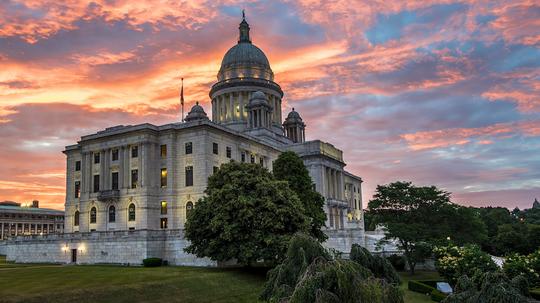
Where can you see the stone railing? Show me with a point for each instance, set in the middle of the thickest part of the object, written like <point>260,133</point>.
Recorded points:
<point>103,235</point>
<point>108,195</point>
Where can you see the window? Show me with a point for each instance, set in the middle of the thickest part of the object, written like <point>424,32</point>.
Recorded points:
<point>243,157</point>
<point>189,208</point>
<point>189,148</point>
<point>134,151</point>
<point>163,207</point>
<point>112,214</point>
<point>96,158</point>
<point>114,155</point>
<point>77,188</point>
<point>215,148</point>
<point>229,152</point>
<point>163,151</point>
<point>163,223</point>
<point>77,165</point>
<point>114,180</point>
<point>261,161</point>
<point>215,169</point>
<point>189,175</point>
<point>163,177</point>
<point>96,183</point>
<point>93,215</point>
<point>134,178</point>
<point>131,212</point>
<point>252,159</point>
<point>76,218</point>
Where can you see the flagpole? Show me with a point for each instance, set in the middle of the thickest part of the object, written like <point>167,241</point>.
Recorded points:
<point>182,99</point>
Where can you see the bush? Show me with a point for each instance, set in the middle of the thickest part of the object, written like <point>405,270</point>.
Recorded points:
<point>379,266</point>
<point>453,262</point>
<point>528,266</point>
<point>438,296</point>
<point>152,262</point>
<point>535,293</point>
<point>397,261</point>
<point>420,287</point>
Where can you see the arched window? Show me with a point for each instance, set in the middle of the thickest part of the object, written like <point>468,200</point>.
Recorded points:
<point>76,218</point>
<point>112,214</point>
<point>189,208</point>
<point>93,215</point>
<point>131,212</point>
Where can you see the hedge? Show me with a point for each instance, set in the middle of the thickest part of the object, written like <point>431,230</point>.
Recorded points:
<point>419,286</point>
<point>438,296</point>
<point>535,293</point>
<point>152,262</point>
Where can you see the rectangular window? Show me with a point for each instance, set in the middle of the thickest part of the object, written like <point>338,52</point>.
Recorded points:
<point>77,165</point>
<point>261,161</point>
<point>134,178</point>
<point>229,152</point>
<point>114,154</point>
<point>163,177</point>
<point>252,159</point>
<point>163,149</point>
<point>189,175</point>
<point>134,151</point>
<point>243,157</point>
<point>96,158</point>
<point>96,183</point>
<point>163,223</point>
<point>215,148</point>
<point>114,180</point>
<point>215,169</point>
<point>77,188</point>
<point>189,148</point>
<point>163,207</point>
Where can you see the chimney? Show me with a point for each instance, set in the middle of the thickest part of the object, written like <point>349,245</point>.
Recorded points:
<point>35,204</point>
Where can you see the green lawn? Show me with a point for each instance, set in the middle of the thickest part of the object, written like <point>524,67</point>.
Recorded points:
<point>49,283</point>
<point>414,297</point>
<point>128,284</point>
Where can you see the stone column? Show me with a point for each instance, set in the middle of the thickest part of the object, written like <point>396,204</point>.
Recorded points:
<point>107,184</point>
<point>342,188</point>
<point>127,171</point>
<point>84,180</point>
<point>2,233</point>
<point>101,169</point>
<point>231,105</point>
<point>241,104</point>
<point>330,217</point>
<point>140,166</point>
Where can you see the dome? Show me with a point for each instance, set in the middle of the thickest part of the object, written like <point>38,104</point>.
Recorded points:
<point>258,98</point>
<point>196,113</point>
<point>293,117</point>
<point>245,59</point>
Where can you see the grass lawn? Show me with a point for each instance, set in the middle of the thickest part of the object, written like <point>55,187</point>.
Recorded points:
<point>411,296</point>
<point>128,284</point>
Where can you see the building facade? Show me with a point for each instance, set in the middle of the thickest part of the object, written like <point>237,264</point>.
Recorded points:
<point>17,220</point>
<point>137,180</point>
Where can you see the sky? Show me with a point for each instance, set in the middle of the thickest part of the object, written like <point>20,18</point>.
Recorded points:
<point>443,93</point>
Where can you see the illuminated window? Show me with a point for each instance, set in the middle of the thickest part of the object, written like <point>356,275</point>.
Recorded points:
<point>96,183</point>
<point>163,177</point>
<point>163,151</point>
<point>215,148</point>
<point>189,175</point>
<point>189,148</point>
<point>112,214</point>
<point>243,157</point>
<point>93,215</point>
<point>134,178</point>
<point>77,165</point>
<point>134,151</point>
<point>131,212</point>
<point>114,180</point>
<point>76,218</point>
<point>252,159</point>
<point>77,188</point>
<point>163,207</point>
<point>96,158</point>
<point>114,154</point>
<point>163,223</point>
<point>229,152</point>
<point>189,208</point>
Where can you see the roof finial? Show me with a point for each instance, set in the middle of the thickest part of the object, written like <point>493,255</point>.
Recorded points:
<point>243,14</point>
<point>244,29</point>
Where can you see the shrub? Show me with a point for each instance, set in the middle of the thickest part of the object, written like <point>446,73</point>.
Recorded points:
<point>152,262</point>
<point>527,266</point>
<point>535,293</point>
<point>438,296</point>
<point>420,287</point>
<point>453,262</point>
<point>397,261</point>
<point>379,266</point>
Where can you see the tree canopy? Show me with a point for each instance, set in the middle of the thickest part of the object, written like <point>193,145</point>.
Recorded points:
<point>245,215</point>
<point>290,167</point>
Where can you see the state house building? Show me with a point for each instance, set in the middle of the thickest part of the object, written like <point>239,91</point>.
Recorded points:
<point>138,182</point>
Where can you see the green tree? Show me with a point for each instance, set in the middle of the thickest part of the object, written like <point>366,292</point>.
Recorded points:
<point>415,216</point>
<point>493,217</point>
<point>245,215</point>
<point>466,226</point>
<point>290,167</point>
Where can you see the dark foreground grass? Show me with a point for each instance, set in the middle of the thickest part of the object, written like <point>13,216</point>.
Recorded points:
<point>414,297</point>
<point>128,284</point>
